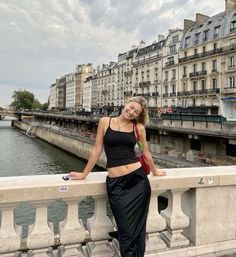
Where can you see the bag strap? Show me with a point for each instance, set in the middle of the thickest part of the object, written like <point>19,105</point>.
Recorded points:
<point>140,145</point>
<point>136,132</point>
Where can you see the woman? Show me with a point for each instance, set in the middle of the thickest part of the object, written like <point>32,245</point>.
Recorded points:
<point>128,187</point>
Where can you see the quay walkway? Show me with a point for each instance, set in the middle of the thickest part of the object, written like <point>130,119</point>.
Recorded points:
<point>199,220</point>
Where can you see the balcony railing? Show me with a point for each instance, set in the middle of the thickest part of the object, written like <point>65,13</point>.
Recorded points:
<point>229,90</point>
<point>169,231</point>
<point>200,55</point>
<point>144,83</point>
<point>198,73</point>
<point>170,63</point>
<point>200,92</point>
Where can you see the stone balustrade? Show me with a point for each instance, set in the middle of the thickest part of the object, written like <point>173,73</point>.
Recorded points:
<point>199,220</point>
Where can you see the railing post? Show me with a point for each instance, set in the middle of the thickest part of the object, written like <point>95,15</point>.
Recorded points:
<point>40,233</point>
<point>72,231</point>
<point>176,220</point>
<point>155,224</point>
<point>10,233</point>
<point>99,225</point>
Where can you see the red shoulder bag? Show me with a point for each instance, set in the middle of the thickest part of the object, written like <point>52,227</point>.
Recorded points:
<point>142,158</point>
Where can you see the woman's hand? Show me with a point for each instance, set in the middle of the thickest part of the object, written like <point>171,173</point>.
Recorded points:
<point>76,175</point>
<point>159,173</point>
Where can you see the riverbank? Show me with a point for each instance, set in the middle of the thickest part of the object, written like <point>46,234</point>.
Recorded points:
<point>81,146</point>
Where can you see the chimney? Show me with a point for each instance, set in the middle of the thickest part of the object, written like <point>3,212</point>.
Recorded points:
<point>141,44</point>
<point>188,24</point>
<point>200,18</point>
<point>160,37</point>
<point>230,5</point>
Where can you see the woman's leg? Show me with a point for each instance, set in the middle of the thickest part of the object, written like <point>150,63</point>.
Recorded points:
<point>129,198</point>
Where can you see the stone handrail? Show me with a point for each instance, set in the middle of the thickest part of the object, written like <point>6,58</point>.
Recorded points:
<point>199,219</point>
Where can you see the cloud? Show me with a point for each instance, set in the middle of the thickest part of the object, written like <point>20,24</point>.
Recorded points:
<point>44,40</point>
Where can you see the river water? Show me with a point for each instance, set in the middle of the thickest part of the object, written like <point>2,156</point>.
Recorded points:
<point>22,156</point>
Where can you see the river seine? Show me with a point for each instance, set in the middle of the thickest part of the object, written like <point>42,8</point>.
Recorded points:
<point>24,156</point>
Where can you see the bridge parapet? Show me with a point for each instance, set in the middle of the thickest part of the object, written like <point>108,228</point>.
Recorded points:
<point>199,219</point>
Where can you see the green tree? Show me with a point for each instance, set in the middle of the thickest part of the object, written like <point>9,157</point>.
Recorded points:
<point>36,104</point>
<point>44,106</point>
<point>22,99</point>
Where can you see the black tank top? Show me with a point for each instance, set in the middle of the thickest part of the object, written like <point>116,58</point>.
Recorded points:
<point>119,147</point>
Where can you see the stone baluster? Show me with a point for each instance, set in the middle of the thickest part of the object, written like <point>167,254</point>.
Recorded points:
<point>155,224</point>
<point>10,233</point>
<point>99,225</point>
<point>72,231</point>
<point>176,220</point>
<point>41,234</point>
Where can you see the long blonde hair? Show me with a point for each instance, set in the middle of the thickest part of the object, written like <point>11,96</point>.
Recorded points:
<point>143,116</point>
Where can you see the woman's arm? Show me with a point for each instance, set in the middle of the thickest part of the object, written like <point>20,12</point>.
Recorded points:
<point>95,153</point>
<point>146,152</point>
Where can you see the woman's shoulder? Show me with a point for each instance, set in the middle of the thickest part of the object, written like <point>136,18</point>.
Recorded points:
<point>104,120</point>
<point>140,126</point>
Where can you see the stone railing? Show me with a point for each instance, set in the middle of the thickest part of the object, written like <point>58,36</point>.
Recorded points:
<point>199,219</point>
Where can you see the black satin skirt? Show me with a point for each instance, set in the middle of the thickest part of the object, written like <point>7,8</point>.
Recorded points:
<point>129,198</point>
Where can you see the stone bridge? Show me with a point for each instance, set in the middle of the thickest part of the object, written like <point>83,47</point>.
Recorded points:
<point>200,218</point>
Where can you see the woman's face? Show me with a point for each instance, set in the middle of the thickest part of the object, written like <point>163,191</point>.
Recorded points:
<point>132,110</point>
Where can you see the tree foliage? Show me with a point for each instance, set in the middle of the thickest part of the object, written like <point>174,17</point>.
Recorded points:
<point>22,99</point>
<point>36,104</point>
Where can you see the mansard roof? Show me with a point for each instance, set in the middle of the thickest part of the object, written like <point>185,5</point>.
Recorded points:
<point>151,48</point>
<point>220,20</point>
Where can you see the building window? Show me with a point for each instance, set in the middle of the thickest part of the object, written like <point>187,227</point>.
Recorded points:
<point>173,88</point>
<point>175,39</point>
<point>173,49</point>
<point>195,51</point>
<point>194,67</point>
<point>187,40</point>
<point>233,26</point>
<point>214,65</point>
<point>214,46</point>
<point>214,83</point>
<point>231,61</point>
<point>174,74</point>
<point>205,35</point>
<point>231,82</point>
<point>204,49</point>
<point>166,89</point>
<point>203,85</point>
<point>203,66</point>
<point>216,32</point>
<point>194,85</point>
<point>184,70</point>
<point>185,54</point>
<point>197,37</point>
<point>166,75</point>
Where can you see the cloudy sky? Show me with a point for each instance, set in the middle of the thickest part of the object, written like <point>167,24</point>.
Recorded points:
<point>41,40</point>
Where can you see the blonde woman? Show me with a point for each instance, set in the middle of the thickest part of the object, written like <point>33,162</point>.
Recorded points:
<point>128,187</point>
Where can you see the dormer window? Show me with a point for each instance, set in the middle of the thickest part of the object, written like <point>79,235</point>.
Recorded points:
<point>216,32</point>
<point>205,35</point>
<point>197,37</point>
<point>187,41</point>
<point>233,26</point>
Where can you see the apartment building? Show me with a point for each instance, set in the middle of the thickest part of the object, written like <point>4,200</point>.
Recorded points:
<point>87,94</point>
<point>106,81</point>
<point>82,72</point>
<point>206,63</point>
<point>52,96</point>
<point>70,90</point>
<point>147,75</point>
<point>170,68</point>
<point>60,102</point>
